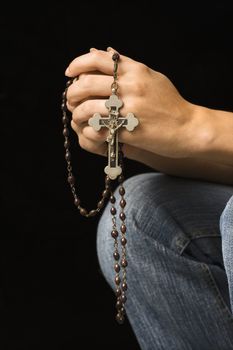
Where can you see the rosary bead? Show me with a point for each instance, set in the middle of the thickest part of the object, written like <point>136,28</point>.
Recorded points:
<point>114,234</point>
<point>113,211</point>
<point>117,267</point>
<point>69,82</point>
<point>71,180</point>
<point>105,193</point>
<point>67,144</point>
<point>63,107</point>
<point>117,280</point>
<point>118,292</point>
<point>124,263</point>
<point>76,201</point>
<point>112,199</point>
<point>122,191</point>
<point>122,216</point>
<point>65,119</point>
<point>123,228</point>
<point>115,56</point>
<point>122,203</point>
<point>63,95</point>
<point>118,304</point>
<point>123,298</point>
<point>83,211</point>
<point>122,310</point>
<point>121,178</point>
<point>68,155</point>
<point>120,318</point>
<point>123,241</point>
<point>100,204</point>
<point>124,286</point>
<point>92,213</point>
<point>66,132</point>
<point>116,256</point>
<point>107,180</point>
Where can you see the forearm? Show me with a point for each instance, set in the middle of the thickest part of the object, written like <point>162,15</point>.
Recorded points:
<point>185,167</point>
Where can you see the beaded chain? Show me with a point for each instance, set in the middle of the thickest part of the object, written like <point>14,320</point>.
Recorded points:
<point>113,171</point>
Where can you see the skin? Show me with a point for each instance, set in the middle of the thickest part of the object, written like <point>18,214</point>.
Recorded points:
<point>174,136</point>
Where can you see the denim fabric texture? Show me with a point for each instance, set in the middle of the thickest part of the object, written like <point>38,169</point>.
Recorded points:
<point>180,257</point>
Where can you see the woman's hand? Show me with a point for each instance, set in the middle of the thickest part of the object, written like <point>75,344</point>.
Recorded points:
<point>168,124</point>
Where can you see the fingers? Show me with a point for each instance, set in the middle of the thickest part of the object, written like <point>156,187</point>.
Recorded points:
<point>95,60</point>
<point>86,110</point>
<point>90,140</point>
<point>89,85</point>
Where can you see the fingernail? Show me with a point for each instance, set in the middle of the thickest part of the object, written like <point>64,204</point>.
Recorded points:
<point>93,49</point>
<point>110,49</point>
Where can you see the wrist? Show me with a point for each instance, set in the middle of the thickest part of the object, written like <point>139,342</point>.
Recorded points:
<point>213,135</point>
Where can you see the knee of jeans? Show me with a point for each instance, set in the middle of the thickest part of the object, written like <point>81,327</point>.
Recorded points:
<point>226,218</point>
<point>140,217</point>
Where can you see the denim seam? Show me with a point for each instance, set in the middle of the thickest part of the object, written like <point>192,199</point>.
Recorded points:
<point>189,240</point>
<point>221,303</point>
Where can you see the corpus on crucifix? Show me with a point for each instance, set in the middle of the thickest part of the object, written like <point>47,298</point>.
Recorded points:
<point>113,122</point>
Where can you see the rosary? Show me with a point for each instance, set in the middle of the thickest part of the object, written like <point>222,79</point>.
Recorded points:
<point>113,171</point>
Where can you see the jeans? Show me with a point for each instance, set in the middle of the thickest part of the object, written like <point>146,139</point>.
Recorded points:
<point>180,261</point>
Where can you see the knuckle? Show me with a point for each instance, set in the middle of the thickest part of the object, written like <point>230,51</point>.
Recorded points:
<point>141,68</point>
<point>82,142</point>
<point>85,80</point>
<point>69,107</point>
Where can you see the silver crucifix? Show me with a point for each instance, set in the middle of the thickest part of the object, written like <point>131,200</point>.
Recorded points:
<point>113,122</point>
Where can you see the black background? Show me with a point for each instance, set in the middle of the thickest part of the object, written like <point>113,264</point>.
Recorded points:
<point>52,292</point>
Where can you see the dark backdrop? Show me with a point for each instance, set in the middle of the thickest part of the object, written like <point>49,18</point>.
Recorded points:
<point>52,294</point>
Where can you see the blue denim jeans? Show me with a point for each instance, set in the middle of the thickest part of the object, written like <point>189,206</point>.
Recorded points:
<point>180,262</point>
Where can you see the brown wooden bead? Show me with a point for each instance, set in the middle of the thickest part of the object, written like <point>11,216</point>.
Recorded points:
<point>122,191</point>
<point>66,132</point>
<point>124,286</point>
<point>122,203</point>
<point>71,179</point>
<point>122,216</point>
<point>118,304</point>
<point>115,56</point>
<point>113,211</point>
<point>123,228</point>
<point>117,267</point>
<point>63,107</point>
<point>105,193</point>
<point>117,280</point>
<point>83,211</point>
<point>123,298</point>
<point>112,199</point>
<point>122,310</point>
<point>121,178</point>
<point>69,82</point>
<point>65,119</point>
<point>123,241</point>
<point>100,204</point>
<point>93,212</point>
<point>67,144</point>
<point>76,201</point>
<point>124,263</point>
<point>68,155</point>
<point>114,234</point>
<point>120,318</point>
<point>107,180</point>
<point>116,256</point>
<point>118,292</point>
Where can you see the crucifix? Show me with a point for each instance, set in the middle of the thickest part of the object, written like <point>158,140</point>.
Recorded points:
<point>113,122</point>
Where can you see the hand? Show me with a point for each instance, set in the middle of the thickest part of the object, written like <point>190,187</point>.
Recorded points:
<point>168,124</point>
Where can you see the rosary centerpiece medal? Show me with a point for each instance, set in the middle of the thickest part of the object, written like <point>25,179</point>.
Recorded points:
<point>113,171</point>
